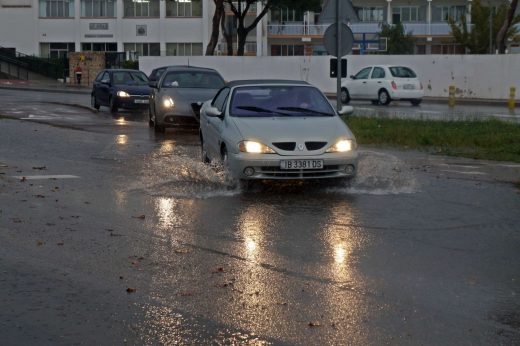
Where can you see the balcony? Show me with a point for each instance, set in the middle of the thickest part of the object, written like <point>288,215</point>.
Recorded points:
<point>417,29</point>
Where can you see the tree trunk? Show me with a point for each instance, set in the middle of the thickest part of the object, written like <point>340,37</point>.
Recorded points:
<point>502,33</point>
<point>215,28</point>
<point>242,38</point>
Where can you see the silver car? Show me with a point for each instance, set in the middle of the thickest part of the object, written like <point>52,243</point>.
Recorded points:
<point>277,129</point>
<point>175,99</point>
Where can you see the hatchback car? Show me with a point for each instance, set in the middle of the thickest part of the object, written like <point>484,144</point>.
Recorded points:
<point>382,84</point>
<point>277,129</point>
<point>120,88</point>
<point>176,98</point>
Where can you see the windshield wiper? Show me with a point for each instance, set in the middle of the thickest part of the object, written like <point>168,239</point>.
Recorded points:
<point>261,110</point>
<point>304,110</point>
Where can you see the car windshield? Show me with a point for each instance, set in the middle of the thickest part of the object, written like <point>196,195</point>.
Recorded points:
<point>402,72</point>
<point>193,79</point>
<point>130,78</point>
<point>279,101</point>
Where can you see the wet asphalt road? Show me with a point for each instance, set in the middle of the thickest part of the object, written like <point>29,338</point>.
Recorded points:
<point>135,241</point>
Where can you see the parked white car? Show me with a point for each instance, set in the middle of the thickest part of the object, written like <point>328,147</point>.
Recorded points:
<point>277,129</point>
<point>382,84</point>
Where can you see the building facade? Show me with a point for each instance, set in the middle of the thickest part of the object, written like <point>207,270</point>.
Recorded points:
<point>52,28</point>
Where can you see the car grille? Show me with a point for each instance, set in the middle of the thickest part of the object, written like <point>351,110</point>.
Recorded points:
<point>315,145</point>
<point>287,146</point>
<point>195,106</point>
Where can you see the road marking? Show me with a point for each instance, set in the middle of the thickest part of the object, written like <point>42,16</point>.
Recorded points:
<point>40,177</point>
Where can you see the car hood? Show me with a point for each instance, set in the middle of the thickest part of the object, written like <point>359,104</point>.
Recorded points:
<point>190,95</point>
<point>134,89</point>
<point>292,129</point>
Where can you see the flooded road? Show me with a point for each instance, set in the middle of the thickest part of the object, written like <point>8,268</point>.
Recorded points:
<point>111,234</point>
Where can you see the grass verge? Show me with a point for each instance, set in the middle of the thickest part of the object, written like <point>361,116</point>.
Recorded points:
<point>489,139</point>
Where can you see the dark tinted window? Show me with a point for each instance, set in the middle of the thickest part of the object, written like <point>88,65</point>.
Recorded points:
<point>402,72</point>
<point>279,101</point>
<point>378,73</point>
<point>220,99</point>
<point>129,78</point>
<point>192,79</point>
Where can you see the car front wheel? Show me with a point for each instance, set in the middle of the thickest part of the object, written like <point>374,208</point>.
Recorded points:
<point>203,151</point>
<point>384,97</point>
<point>345,96</point>
<point>112,105</point>
<point>150,121</point>
<point>416,102</point>
<point>93,102</point>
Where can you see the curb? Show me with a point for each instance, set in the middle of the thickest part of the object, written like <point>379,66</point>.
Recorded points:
<point>43,89</point>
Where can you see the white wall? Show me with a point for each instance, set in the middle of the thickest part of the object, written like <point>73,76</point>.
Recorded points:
<point>475,76</point>
<point>18,28</point>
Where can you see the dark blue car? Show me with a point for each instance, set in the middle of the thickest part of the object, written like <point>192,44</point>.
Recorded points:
<point>120,88</point>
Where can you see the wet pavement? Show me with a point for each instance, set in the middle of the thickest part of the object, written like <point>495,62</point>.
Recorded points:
<point>111,234</point>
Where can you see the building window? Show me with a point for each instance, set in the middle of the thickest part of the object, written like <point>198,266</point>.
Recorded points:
<point>443,13</point>
<point>56,50</point>
<point>405,14</point>
<point>287,50</point>
<point>286,15</point>
<point>370,14</point>
<point>57,8</point>
<point>142,8</point>
<point>183,8</point>
<point>144,49</point>
<point>184,49</point>
<point>98,8</point>
<point>99,46</point>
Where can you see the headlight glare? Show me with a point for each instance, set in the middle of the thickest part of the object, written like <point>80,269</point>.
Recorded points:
<point>123,94</point>
<point>254,148</point>
<point>168,102</point>
<point>341,146</point>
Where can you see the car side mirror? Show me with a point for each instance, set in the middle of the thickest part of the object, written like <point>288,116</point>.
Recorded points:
<point>352,76</point>
<point>105,81</point>
<point>153,84</point>
<point>214,112</point>
<point>346,110</point>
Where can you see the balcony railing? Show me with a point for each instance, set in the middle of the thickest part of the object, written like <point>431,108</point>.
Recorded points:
<point>417,29</point>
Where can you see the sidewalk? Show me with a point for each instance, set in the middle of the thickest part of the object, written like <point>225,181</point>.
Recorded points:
<point>44,85</point>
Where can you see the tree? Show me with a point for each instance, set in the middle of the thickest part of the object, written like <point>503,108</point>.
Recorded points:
<point>240,12</point>
<point>217,17</point>
<point>475,39</point>
<point>399,42</point>
<point>504,31</point>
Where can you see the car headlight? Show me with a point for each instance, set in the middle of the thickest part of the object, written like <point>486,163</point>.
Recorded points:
<point>123,94</point>
<point>342,146</point>
<point>168,102</point>
<point>254,148</point>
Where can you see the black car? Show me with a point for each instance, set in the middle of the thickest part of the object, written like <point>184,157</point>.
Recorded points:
<point>120,88</point>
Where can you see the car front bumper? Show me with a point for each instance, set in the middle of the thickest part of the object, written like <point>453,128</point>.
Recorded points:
<point>132,102</point>
<point>267,166</point>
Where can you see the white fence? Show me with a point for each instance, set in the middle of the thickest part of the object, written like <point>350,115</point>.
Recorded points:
<point>475,76</point>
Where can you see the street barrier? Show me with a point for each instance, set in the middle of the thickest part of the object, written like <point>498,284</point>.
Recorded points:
<point>511,103</point>
<point>451,96</point>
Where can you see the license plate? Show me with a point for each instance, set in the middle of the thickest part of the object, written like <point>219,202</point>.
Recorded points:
<point>301,164</point>
<point>408,86</point>
<point>140,101</point>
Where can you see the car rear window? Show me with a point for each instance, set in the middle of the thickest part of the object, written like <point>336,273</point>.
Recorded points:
<point>193,79</point>
<point>402,72</point>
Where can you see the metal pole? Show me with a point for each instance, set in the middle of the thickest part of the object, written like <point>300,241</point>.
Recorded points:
<point>490,30</point>
<point>338,67</point>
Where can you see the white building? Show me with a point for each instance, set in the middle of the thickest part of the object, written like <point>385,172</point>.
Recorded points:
<point>149,27</point>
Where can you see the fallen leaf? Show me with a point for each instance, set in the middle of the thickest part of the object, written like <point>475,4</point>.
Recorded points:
<point>40,243</point>
<point>121,278</point>
<point>39,196</point>
<point>130,290</point>
<point>314,324</point>
<point>23,179</point>
<point>40,167</point>
<point>219,270</point>
<point>60,243</point>
<point>142,217</point>
<point>182,251</point>
<point>186,293</point>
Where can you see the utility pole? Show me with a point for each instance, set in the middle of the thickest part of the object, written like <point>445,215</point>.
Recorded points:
<point>490,30</point>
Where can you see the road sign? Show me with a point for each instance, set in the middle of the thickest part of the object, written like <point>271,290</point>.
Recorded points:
<point>331,42</point>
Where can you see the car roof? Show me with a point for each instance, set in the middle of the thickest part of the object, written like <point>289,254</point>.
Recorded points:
<point>187,67</point>
<point>265,82</point>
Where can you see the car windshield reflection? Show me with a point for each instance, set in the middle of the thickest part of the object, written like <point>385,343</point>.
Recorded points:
<point>192,79</point>
<point>130,78</point>
<point>279,101</point>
